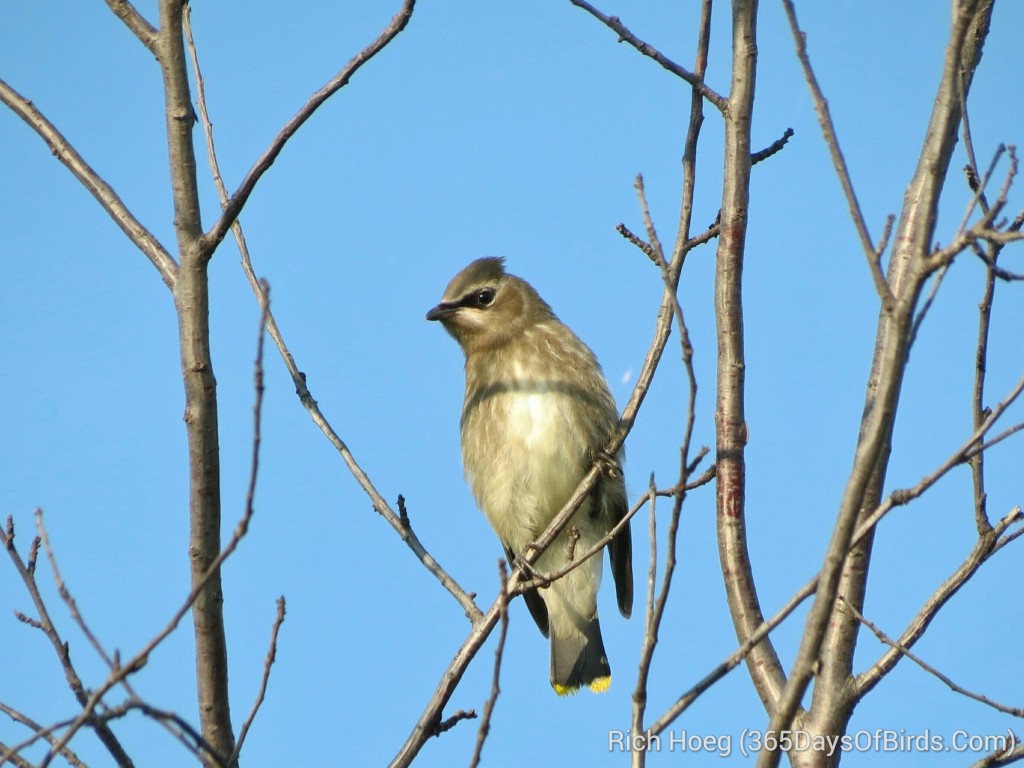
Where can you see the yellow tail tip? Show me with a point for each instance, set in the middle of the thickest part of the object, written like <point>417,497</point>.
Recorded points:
<point>600,685</point>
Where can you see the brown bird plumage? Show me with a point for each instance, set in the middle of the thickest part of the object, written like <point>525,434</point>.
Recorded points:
<point>537,414</point>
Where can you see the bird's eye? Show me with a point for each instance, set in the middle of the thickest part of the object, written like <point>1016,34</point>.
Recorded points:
<point>484,297</point>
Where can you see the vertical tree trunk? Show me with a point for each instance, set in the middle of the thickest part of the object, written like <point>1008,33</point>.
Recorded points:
<point>191,301</point>
<point>730,419</point>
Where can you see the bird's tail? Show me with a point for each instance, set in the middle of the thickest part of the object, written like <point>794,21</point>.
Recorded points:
<point>578,659</point>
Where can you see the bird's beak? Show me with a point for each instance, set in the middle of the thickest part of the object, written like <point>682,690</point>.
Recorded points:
<point>441,311</point>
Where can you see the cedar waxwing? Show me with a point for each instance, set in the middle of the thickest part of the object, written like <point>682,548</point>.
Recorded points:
<point>537,414</point>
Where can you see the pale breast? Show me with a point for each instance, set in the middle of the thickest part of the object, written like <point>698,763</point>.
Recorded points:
<point>524,455</point>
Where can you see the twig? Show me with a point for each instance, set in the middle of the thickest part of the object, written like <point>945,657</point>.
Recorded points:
<point>971,169</point>
<point>1010,537</point>
<point>544,579</point>
<point>446,725</point>
<point>992,272</point>
<point>397,522</point>
<point>657,255</point>
<point>734,659</point>
<point>625,36</point>
<point>636,240</point>
<point>997,271</point>
<point>65,594</point>
<point>979,188</point>
<point>257,407</point>
<point>982,447</point>
<point>904,651</point>
<point>705,477</point>
<point>199,746</point>
<point>237,201</point>
<point>828,131</point>
<point>682,245</point>
<point>649,638</point>
<point>987,544</point>
<point>983,228</point>
<point>110,741</point>
<point>773,148</point>
<point>7,753</point>
<point>105,195</point>
<point>267,664</point>
<point>485,721</point>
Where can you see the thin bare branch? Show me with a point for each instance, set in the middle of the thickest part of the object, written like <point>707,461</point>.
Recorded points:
<point>136,22</point>
<point>639,242</point>
<point>625,36</point>
<point>105,195</point>
<point>8,753</point>
<point>987,545</point>
<point>657,254</point>
<point>241,195</point>
<point>828,131</point>
<point>249,498</point>
<point>997,271</point>
<point>978,187</point>
<point>65,594</point>
<point>485,721</point>
<point>63,651</point>
<point>963,454</point>
<point>992,273</point>
<point>649,640</point>
<point>904,651</point>
<point>267,664</point>
<point>541,579</point>
<point>982,447</point>
<point>683,244</point>
<point>734,659</point>
<point>1010,537</point>
<point>443,726</point>
<point>982,229</point>
<point>773,148</point>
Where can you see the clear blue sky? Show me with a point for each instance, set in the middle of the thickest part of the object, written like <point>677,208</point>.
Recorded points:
<point>511,130</point>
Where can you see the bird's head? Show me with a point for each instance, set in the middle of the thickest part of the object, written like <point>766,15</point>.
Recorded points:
<point>484,307</point>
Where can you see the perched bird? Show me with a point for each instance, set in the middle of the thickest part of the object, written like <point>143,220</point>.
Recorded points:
<point>537,414</point>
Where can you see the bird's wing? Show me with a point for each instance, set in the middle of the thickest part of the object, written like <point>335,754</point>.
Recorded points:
<point>534,601</point>
<point>620,549</point>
